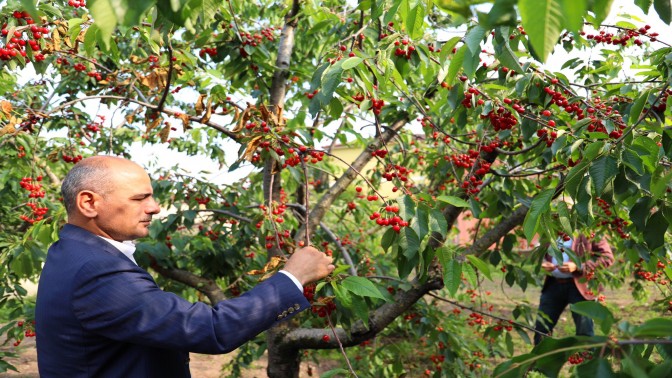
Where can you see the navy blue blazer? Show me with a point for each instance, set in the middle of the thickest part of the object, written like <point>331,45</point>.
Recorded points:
<point>100,315</point>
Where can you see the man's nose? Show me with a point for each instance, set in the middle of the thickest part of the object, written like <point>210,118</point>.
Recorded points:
<point>153,208</point>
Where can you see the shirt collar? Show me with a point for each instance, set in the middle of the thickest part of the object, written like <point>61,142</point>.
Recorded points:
<point>126,247</point>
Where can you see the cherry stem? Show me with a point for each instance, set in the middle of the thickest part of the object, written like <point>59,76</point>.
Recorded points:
<point>340,346</point>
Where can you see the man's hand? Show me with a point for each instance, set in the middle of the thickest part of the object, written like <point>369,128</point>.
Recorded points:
<point>308,265</point>
<point>547,266</point>
<point>568,267</point>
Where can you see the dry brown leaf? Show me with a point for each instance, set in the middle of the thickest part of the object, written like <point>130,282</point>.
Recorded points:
<point>56,38</point>
<point>130,118</point>
<point>270,266</point>
<point>138,60</point>
<point>165,133</point>
<point>6,107</point>
<point>8,129</point>
<point>244,117</point>
<point>208,112</point>
<point>251,148</point>
<point>199,104</point>
<point>155,80</point>
<point>185,121</point>
<point>151,125</point>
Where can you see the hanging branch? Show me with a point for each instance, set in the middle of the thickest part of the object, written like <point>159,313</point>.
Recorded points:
<point>159,107</point>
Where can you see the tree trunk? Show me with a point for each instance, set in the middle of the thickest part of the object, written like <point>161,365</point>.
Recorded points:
<point>282,362</point>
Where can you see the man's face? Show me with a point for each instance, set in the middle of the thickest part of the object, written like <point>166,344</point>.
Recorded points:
<point>125,211</point>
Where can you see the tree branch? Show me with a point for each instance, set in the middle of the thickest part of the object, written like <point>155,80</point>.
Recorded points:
<point>204,285</point>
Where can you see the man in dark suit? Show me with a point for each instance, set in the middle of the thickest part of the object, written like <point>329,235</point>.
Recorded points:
<point>567,283</point>
<point>100,315</point>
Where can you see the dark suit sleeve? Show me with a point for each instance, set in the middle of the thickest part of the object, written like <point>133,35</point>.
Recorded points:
<point>120,301</point>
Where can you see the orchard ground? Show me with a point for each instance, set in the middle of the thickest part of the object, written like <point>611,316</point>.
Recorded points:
<point>496,293</point>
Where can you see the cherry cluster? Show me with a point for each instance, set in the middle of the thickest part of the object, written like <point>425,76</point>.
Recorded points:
<point>617,224</point>
<point>16,43</point>
<point>27,328</point>
<point>22,152</point>
<point>210,51</point>
<point>624,37</point>
<point>393,171</point>
<point>308,156</point>
<point>280,237</point>
<point>77,3</point>
<point>476,319</point>
<point>507,326</point>
<point>469,95</point>
<point>35,190</point>
<point>659,276</point>
<point>579,357</point>
<point>405,51</point>
<point>501,119</point>
<point>32,186</point>
<point>393,221</point>
<point>72,159</point>
<point>322,307</point>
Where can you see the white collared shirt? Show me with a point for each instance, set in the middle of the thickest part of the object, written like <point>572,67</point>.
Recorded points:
<point>126,247</point>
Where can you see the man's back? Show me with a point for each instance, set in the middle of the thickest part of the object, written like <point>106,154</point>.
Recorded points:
<point>61,336</point>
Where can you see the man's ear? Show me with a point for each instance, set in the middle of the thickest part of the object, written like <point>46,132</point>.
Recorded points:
<point>87,203</point>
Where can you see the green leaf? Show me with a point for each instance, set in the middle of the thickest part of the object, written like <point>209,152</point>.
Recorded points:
<point>639,213</point>
<point>594,310</point>
<point>456,64</point>
<point>664,10</point>
<point>506,56</point>
<point>409,242</point>
<point>338,372</point>
<point>330,80</point>
<point>30,7</point>
<point>644,5</point>
<point>421,221</point>
<point>104,17</point>
<point>415,21</point>
<point>445,255</point>
<point>574,11</point>
<point>540,205</point>
<point>592,150</point>
<point>351,62</point>
<point>595,368</point>
<point>474,38</point>
<point>480,265</point>
<point>362,287</point>
<point>637,107</point>
<point>388,238</point>
<point>657,327</point>
<point>470,274</point>
<point>542,20</point>
<point>455,201</point>
<point>602,172</point>
<point>655,230</point>
<point>90,39</point>
<point>647,150</point>
<point>601,9</point>
<point>437,222</point>
<point>452,276</point>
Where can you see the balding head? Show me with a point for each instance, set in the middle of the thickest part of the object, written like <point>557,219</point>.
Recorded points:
<point>93,173</point>
<point>110,197</point>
